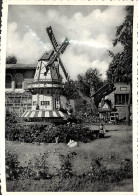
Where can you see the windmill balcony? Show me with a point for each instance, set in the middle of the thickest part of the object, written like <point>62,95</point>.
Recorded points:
<point>44,84</point>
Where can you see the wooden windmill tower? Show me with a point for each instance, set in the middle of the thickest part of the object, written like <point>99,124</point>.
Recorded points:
<point>47,85</point>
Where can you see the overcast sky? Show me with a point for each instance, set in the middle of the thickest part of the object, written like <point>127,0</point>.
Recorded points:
<point>90,29</point>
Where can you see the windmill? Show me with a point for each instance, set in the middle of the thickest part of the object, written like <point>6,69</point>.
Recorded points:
<point>47,85</point>
<point>96,98</point>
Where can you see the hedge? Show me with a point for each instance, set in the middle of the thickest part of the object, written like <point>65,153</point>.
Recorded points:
<point>47,134</point>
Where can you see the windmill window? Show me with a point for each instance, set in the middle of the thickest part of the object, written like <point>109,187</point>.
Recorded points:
<point>8,81</point>
<point>18,81</point>
<point>47,103</point>
<point>34,102</point>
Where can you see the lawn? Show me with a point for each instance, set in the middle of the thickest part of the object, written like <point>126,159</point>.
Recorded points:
<point>111,151</point>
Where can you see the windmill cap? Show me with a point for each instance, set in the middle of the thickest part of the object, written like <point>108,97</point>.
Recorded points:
<point>46,55</point>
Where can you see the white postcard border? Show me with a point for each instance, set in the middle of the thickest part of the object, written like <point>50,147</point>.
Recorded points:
<point>135,79</point>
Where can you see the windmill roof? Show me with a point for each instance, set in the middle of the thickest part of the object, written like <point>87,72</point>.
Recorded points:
<point>47,55</point>
<point>21,66</point>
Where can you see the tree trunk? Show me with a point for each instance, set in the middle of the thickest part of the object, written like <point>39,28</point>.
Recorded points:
<point>128,105</point>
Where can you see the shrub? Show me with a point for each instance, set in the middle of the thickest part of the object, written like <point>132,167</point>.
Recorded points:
<point>37,167</point>
<point>10,117</point>
<point>12,165</point>
<point>40,165</point>
<point>66,167</point>
<point>101,173</point>
<point>34,133</point>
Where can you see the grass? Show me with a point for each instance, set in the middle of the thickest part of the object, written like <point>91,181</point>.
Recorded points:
<point>45,186</point>
<point>112,150</point>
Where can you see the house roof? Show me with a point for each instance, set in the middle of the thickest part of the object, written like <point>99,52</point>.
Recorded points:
<point>21,66</point>
<point>12,92</point>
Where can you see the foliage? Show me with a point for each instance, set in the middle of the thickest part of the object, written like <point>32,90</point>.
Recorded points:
<point>66,166</point>
<point>66,180</point>
<point>70,90</point>
<point>37,168</point>
<point>100,172</point>
<point>91,79</point>
<point>11,60</point>
<point>104,168</point>
<point>12,165</point>
<point>46,134</point>
<point>120,68</point>
<point>84,114</point>
<point>10,118</point>
<point>40,165</point>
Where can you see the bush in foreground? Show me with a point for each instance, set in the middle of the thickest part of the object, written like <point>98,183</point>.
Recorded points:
<point>66,179</point>
<point>12,165</point>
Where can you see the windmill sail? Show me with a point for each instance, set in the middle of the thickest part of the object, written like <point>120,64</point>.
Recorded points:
<point>56,54</point>
<point>55,46</point>
<point>62,66</point>
<point>52,37</point>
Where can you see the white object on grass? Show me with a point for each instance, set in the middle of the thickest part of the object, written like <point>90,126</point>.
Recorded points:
<point>72,144</point>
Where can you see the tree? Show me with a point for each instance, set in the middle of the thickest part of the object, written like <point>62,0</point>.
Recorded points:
<point>89,83</point>
<point>120,68</point>
<point>11,60</point>
<point>91,79</point>
<point>70,90</point>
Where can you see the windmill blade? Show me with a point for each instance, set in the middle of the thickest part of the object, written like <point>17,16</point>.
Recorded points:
<point>86,85</point>
<point>55,46</point>
<point>104,90</point>
<point>63,46</point>
<point>64,70</point>
<point>53,40</point>
<point>58,52</point>
<point>83,95</point>
<point>56,55</point>
<point>52,37</point>
<point>66,43</point>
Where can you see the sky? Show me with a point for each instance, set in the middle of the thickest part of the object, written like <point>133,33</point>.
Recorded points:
<point>90,30</point>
